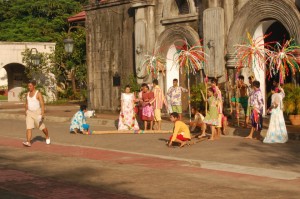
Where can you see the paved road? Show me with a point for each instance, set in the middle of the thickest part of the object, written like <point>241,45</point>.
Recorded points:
<point>141,166</point>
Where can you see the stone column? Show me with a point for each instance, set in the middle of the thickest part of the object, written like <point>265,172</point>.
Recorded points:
<point>214,42</point>
<point>144,36</point>
<point>231,66</point>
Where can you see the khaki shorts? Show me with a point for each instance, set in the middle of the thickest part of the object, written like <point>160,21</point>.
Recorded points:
<point>177,109</point>
<point>33,120</point>
<point>157,115</point>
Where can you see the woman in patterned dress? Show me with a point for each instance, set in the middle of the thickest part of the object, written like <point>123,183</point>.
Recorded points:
<point>148,110</point>
<point>127,118</point>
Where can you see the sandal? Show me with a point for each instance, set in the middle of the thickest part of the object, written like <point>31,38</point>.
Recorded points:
<point>27,144</point>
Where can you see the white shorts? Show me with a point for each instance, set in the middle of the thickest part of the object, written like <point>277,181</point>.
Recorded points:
<point>34,119</point>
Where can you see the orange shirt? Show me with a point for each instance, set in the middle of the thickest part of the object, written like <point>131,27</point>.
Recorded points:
<point>181,128</point>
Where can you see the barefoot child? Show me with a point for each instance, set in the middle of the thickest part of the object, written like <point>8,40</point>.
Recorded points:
<point>218,95</point>
<point>234,103</point>
<point>181,132</point>
<point>257,104</point>
<point>212,117</point>
<point>243,99</point>
<point>198,123</point>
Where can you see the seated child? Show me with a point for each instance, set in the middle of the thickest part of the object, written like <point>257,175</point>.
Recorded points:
<point>197,125</point>
<point>181,132</point>
<point>78,122</point>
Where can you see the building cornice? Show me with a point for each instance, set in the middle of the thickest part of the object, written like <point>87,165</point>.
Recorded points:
<point>142,3</point>
<point>179,19</point>
<point>106,4</point>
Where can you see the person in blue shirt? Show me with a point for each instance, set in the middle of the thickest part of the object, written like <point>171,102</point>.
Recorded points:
<point>78,122</point>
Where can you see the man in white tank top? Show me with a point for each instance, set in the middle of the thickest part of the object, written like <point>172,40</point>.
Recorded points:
<point>34,110</point>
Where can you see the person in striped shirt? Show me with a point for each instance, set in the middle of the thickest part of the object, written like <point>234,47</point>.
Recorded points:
<point>160,100</point>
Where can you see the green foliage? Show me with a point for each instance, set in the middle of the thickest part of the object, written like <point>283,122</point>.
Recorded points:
<point>46,21</point>
<point>30,69</point>
<point>36,21</point>
<point>67,66</point>
<point>41,88</point>
<point>196,97</point>
<point>2,97</point>
<point>292,99</point>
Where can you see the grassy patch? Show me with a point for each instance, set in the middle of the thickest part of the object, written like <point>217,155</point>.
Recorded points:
<point>65,102</point>
<point>2,97</point>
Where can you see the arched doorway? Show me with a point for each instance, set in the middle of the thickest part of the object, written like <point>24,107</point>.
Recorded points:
<point>257,17</point>
<point>15,79</point>
<point>168,43</point>
<point>277,34</point>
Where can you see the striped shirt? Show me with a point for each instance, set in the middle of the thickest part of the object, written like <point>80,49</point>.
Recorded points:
<point>159,96</point>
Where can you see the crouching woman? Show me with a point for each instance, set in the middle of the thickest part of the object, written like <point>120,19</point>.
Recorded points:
<point>78,122</point>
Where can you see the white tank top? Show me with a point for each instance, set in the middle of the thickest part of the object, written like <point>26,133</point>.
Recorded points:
<point>33,103</point>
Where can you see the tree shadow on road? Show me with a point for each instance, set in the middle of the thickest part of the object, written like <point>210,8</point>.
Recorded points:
<point>50,174</point>
<point>276,155</point>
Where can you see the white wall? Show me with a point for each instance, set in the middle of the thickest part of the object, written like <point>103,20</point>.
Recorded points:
<point>259,73</point>
<point>3,77</point>
<point>172,70</point>
<point>11,52</point>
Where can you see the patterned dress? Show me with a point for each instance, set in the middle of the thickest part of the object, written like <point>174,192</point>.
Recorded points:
<point>148,111</point>
<point>257,104</point>
<point>127,119</point>
<point>78,121</point>
<point>212,116</point>
<point>277,132</point>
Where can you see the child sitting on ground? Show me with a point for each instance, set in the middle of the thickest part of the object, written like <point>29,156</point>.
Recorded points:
<point>197,125</point>
<point>181,132</point>
<point>78,122</point>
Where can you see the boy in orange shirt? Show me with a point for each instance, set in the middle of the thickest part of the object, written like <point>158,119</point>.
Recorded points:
<point>181,132</point>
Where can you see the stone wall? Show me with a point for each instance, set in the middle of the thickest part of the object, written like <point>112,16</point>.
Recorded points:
<point>110,51</point>
<point>120,32</point>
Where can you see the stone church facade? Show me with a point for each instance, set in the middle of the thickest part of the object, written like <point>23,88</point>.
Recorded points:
<point>121,32</point>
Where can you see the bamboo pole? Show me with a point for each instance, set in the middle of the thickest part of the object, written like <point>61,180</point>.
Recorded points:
<point>190,113</point>
<point>132,132</point>
<point>206,101</point>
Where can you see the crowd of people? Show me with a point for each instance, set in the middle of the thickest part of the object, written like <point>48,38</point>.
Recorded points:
<point>147,107</point>
<point>149,103</point>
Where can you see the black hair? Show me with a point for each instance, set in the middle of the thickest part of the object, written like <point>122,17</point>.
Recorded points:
<point>211,89</point>
<point>83,107</point>
<point>241,77</point>
<point>127,86</point>
<point>145,85</point>
<point>32,81</point>
<point>175,80</point>
<point>196,108</point>
<point>274,88</point>
<point>251,77</point>
<point>175,115</point>
<point>155,81</point>
<point>256,84</point>
<point>214,80</point>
